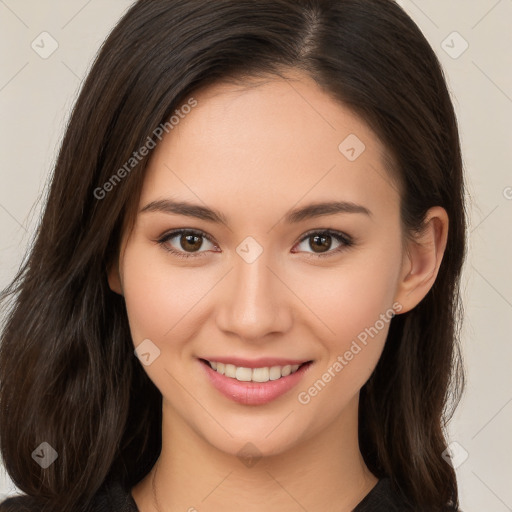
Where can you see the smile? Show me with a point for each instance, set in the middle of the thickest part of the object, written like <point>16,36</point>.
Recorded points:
<point>253,386</point>
<point>263,374</point>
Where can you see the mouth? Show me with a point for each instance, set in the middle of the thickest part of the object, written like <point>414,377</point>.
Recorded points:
<point>254,374</point>
<point>255,385</point>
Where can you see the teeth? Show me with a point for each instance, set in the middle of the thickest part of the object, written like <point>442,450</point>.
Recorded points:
<point>230,370</point>
<point>253,374</point>
<point>274,372</point>
<point>260,374</point>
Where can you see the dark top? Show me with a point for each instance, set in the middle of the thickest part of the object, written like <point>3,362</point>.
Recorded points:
<point>113,497</point>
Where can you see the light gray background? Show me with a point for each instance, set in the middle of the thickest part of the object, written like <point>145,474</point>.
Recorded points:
<point>36,95</point>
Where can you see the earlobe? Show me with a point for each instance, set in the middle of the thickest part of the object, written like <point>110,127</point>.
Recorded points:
<point>422,259</point>
<point>114,278</point>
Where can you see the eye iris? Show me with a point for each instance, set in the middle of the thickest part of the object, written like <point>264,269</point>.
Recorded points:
<point>325,241</point>
<point>185,240</point>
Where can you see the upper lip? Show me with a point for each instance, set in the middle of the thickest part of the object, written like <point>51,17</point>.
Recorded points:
<point>261,362</point>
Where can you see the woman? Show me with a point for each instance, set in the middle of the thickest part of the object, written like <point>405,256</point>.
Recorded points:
<point>244,289</point>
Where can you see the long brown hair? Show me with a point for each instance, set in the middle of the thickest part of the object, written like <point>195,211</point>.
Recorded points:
<point>68,374</point>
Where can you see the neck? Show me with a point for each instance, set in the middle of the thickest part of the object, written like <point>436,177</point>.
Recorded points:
<point>325,472</point>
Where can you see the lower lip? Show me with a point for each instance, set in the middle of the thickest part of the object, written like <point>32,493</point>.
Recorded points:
<point>253,393</point>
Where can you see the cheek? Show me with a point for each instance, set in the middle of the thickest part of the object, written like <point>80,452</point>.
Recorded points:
<point>160,297</point>
<point>352,297</point>
<point>354,306</point>
<point>359,317</point>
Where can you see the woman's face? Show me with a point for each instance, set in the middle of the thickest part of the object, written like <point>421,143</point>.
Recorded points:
<point>264,286</point>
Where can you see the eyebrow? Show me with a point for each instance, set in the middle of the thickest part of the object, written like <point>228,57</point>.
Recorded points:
<point>292,217</point>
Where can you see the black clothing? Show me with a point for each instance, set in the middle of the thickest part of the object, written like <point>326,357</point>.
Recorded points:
<point>113,497</point>
<point>382,499</point>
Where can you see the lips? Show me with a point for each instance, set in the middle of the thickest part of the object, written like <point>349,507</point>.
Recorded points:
<point>256,363</point>
<point>250,392</point>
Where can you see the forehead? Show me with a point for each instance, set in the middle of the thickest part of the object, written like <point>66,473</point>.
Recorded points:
<point>273,142</point>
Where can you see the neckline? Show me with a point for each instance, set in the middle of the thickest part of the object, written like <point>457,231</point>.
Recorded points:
<point>380,484</point>
<point>380,487</point>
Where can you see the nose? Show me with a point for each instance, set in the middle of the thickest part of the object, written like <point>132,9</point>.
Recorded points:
<point>255,301</point>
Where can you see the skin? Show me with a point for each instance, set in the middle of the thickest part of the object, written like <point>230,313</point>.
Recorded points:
<point>254,153</point>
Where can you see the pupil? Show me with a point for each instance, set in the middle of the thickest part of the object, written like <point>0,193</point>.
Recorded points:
<point>325,245</point>
<point>185,239</point>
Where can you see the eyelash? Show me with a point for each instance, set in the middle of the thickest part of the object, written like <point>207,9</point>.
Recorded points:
<point>345,240</point>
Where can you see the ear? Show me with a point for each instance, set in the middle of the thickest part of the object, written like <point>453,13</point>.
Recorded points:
<point>422,259</point>
<point>114,277</point>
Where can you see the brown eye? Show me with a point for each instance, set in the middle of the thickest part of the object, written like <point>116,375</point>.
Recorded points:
<point>186,242</point>
<point>321,242</point>
<point>191,242</point>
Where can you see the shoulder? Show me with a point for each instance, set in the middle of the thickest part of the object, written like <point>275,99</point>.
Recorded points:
<point>19,503</point>
<point>382,498</point>
<point>112,496</point>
